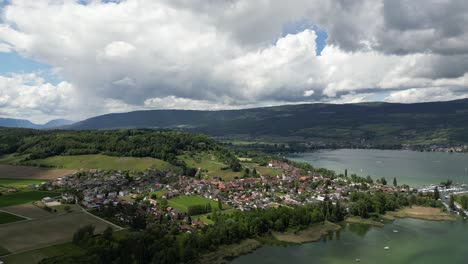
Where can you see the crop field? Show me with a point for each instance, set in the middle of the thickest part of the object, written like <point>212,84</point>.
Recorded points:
<point>6,218</point>
<point>27,210</point>
<point>24,197</point>
<point>28,172</point>
<point>18,183</point>
<point>39,233</point>
<point>182,203</point>
<point>103,162</point>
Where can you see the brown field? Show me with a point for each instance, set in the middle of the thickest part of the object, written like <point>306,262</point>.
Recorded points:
<point>424,213</point>
<point>27,172</point>
<point>38,233</point>
<point>27,210</point>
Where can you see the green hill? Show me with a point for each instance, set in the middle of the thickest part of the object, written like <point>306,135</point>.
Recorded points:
<point>116,149</point>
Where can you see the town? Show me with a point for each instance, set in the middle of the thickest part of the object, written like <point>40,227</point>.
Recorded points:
<point>153,191</point>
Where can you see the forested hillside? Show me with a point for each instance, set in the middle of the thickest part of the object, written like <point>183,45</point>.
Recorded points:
<point>164,145</point>
<point>358,124</point>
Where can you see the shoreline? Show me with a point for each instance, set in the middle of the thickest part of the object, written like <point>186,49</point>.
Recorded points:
<point>319,230</point>
<point>311,234</point>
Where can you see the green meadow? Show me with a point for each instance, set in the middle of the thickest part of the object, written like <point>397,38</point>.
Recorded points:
<point>210,165</point>
<point>182,203</point>
<point>24,197</point>
<point>18,183</point>
<point>103,162</point>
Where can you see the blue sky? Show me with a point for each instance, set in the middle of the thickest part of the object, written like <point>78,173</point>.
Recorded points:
<point>303,24</point>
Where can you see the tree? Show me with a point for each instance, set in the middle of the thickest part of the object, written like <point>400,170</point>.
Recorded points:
<point>395,184</point>
<point>436,193</point>
<point>107,234</point>
<point>383,181</point>
<point>452,202</point>
<point>83,235</point>
<point>346,173</point>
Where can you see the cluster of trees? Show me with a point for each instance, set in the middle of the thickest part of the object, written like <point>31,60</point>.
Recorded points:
<point>199,209</point>
<point>368,205</point>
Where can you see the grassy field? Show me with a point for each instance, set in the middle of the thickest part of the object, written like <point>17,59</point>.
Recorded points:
<point>24,197</point>
<point>182,203</point>
<point>210,165</point>
<point>11,159</point>
<point>18,183</point>
<point>47,231</point>
<point>269,171</point>
<point>34,256</point>
<point>363,221</point>
<point>424,213</point>
<point>6,218</point>
<point>204,217</point>
<point>103,162</point>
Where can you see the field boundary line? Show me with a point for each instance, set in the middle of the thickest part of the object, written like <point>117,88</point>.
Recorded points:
<point>22,216</point>
<point>104,220</point>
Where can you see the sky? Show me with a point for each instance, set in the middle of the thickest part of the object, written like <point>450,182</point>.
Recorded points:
<point>76,59</point>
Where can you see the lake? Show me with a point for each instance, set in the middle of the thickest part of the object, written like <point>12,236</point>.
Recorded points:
<point>409,167</point>
<point>416,241</point>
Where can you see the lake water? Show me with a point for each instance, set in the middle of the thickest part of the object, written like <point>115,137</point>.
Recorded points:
<point>416,241</point>
<point>409,167</point>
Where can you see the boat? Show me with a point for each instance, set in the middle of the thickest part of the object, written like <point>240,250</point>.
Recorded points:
<point>395,231</point>
<point>386,248</point>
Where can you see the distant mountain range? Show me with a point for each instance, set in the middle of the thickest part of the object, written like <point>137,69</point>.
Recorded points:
<point>10,122</point>
<point>359,124</point>
<point>364,124</point>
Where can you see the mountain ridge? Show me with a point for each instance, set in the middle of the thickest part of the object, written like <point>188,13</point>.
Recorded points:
<point>361,123</point>
<point>23,123</point>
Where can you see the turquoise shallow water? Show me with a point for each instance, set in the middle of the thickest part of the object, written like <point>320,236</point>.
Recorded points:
<point>416,241</point>
<point>409,167</point>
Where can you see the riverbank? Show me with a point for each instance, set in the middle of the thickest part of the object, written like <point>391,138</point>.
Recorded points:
<point>228,252</point>
<point>313,233</point>
<point>419,212</point>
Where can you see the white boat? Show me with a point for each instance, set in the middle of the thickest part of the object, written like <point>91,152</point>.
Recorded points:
<point>386,248</point>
